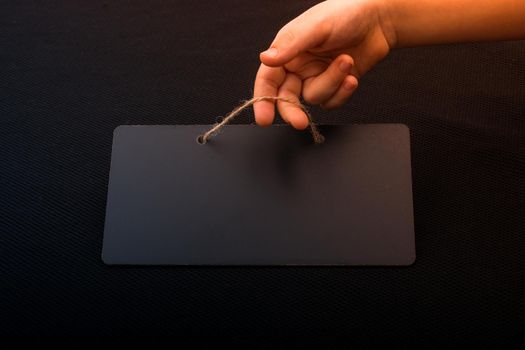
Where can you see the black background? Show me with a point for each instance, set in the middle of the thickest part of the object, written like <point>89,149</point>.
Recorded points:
<point>71,71</point>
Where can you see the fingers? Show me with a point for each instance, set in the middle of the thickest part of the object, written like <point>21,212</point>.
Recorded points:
<point>345,90</point>
<point>330,88</point>
<point>267,83</point>
<point>291,113</point>
<point>294,38</point>
<point>320,88</point>
<point>307,65</point>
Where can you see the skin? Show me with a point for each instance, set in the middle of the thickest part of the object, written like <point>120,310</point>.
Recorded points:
<point>321,54</point>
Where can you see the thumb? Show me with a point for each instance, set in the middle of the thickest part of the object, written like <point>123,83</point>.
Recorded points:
<point>290,42</point>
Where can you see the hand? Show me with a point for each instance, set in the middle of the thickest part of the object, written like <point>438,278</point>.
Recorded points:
<point>320,55</point>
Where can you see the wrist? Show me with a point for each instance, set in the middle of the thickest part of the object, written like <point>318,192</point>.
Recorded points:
<point>386,16</point>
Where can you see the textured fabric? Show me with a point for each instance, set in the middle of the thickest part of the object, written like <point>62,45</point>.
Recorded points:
<point>71,71</point>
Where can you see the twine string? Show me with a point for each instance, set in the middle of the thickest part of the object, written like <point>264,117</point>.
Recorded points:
<point>317,136</point>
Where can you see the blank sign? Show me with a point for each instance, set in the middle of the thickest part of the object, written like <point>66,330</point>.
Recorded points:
<point>260,196</point>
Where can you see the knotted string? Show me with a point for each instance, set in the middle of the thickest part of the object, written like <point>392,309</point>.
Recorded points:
<point>318,138</point>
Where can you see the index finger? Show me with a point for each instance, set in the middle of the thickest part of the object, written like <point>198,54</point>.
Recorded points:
<point>267,83</point>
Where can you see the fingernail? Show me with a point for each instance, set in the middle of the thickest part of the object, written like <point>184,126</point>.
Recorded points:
<point>271,52</point>
<point>345,66</point>
<point>348,84</point>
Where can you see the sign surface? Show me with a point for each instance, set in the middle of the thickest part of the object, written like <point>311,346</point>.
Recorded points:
<point>260,196</point>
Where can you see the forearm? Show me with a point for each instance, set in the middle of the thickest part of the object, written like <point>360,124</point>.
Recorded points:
<point>427,22</point>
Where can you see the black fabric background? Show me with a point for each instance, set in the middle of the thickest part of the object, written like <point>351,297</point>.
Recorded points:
<point>71,71</point>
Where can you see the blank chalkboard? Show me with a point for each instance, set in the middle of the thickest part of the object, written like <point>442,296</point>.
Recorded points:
<point>260,196</point>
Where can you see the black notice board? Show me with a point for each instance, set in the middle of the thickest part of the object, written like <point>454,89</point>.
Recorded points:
<point>260,196</point>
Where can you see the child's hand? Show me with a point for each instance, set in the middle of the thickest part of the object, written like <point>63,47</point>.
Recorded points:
<point>320,55</point>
